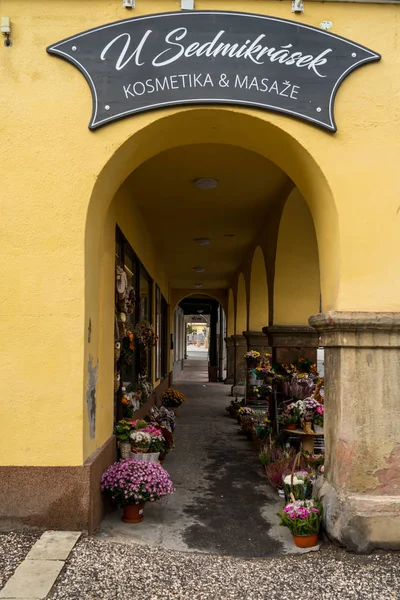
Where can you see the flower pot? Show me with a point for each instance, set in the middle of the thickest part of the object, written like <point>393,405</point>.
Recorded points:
<point>281,493</point>
<point>306,541</point>
<point>291,426</point>
<point>125,449</point>
<point>146,456</point>
<point>318,429</point>
<point>133,513</point>
<point>307,428</point>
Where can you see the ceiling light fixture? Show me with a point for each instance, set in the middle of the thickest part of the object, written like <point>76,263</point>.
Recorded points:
<point>197,285</point>
<point>199,269</point>
<point>229,235</point>
<point>202,241</point>
<point>206,183</point>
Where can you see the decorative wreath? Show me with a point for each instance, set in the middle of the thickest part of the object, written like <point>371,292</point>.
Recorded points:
<point>145,334</point>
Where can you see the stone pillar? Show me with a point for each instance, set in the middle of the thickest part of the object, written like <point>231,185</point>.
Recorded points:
<point>256,340</point>
<point>239,377</point>
<point>361,494</point>
<point>230,362</point>
<point>290,342</point>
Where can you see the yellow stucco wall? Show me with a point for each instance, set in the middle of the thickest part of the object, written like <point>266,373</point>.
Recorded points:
<point>241,306</point>
<point>230,321</point>
<point>296,285</point>
<point>58,180</point>
<point>258,305</point>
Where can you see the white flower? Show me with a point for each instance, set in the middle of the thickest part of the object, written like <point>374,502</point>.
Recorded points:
<point>296,481</point>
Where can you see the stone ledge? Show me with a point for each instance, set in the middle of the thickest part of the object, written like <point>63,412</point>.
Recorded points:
<point>239,340</point>
<point>292,336</point>
<point>358,329</point>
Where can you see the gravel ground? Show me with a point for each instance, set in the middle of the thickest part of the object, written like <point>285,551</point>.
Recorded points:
<point>99,570</point>
<point>13,549</point>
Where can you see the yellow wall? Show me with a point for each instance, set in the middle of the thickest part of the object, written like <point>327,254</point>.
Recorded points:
<point>58,180</point>
<point>258,307</point>
<point>230,321</point>
<point>241,306</point>
<point>296,285</point>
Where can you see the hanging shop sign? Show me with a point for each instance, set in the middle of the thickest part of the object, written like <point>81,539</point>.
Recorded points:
<point>212,57</point>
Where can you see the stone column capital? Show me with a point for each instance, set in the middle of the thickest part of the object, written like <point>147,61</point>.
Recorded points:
<point>292,336</point>
<point>229,341</point>
<point>256,338</point>
<point>239,340</point>
<point>358,329</point>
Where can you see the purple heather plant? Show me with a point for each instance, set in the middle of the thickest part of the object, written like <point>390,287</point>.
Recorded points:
<point>132,481</point>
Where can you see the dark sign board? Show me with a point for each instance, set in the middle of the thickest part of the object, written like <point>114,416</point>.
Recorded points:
<point>212,57</point>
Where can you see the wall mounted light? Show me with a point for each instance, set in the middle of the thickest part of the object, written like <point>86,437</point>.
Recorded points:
<point>297,6</point>
<point>128,3</point>
<point>206,183</point>
<point>6,30</point>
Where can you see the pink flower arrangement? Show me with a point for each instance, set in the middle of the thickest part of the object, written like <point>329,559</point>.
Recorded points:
<point>132,481</point>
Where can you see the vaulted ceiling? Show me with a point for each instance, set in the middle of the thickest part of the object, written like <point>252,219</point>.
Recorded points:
<point>231,215</point>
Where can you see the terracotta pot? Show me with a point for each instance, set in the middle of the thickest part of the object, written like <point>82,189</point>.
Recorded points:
<point>291,426</point>
<point>306,541</point>
<point>133,513</point>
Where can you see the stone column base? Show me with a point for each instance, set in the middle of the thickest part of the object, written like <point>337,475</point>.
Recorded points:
<point>238,390</point>
<point>359,522</point>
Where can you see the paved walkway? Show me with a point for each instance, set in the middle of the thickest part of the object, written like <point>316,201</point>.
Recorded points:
<point>222,504</point>
<point>197,544</point>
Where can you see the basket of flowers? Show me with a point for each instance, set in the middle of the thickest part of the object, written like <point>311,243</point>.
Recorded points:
<point>303,519</point>
<point>131,483</point>
<point>252,359</point>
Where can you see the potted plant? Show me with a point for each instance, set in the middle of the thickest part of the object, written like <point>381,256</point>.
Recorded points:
<point>132,483</point>
<point>122,431</point>
<point>318,419</point>
<point>157,443</point>
<point>252,359</point>
<point>303,519</point>
<point>172,398</point>
<point>140,442</point>
<point>290,416</point>
<point>300,484</point>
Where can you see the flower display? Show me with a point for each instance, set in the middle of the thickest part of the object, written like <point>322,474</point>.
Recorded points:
<point>127,348</point>
<point>134,482</point>
<point>145,334</point>
<point>318,418</point>
<point>140,440</point>
<point>163,416</point>
<point>157,442</point>
<point>302,517</point>
<point>245,411</point>
<point>172,397</point>
<point>252,358</point>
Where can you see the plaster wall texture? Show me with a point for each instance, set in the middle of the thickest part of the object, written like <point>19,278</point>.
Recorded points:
<point>58,180</point>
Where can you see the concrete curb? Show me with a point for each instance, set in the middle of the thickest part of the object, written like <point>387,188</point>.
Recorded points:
<point>36,575</point>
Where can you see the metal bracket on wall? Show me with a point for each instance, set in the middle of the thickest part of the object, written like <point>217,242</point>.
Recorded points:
<point>187,4</point>
<point>128,3</point>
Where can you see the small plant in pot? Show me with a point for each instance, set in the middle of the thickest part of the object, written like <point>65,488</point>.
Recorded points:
<point>290,416</point>
<point>252,359</point>
<point>171,398</point>
<point>303,519</point>
<point>318,420</point>
<point>132,483</point>
<point>123,431</point>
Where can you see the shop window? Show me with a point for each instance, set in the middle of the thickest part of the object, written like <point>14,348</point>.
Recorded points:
<point>127,365</point>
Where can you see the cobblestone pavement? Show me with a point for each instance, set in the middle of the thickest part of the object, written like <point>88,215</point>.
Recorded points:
<point>13,549</point>
<point>98,570</point>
